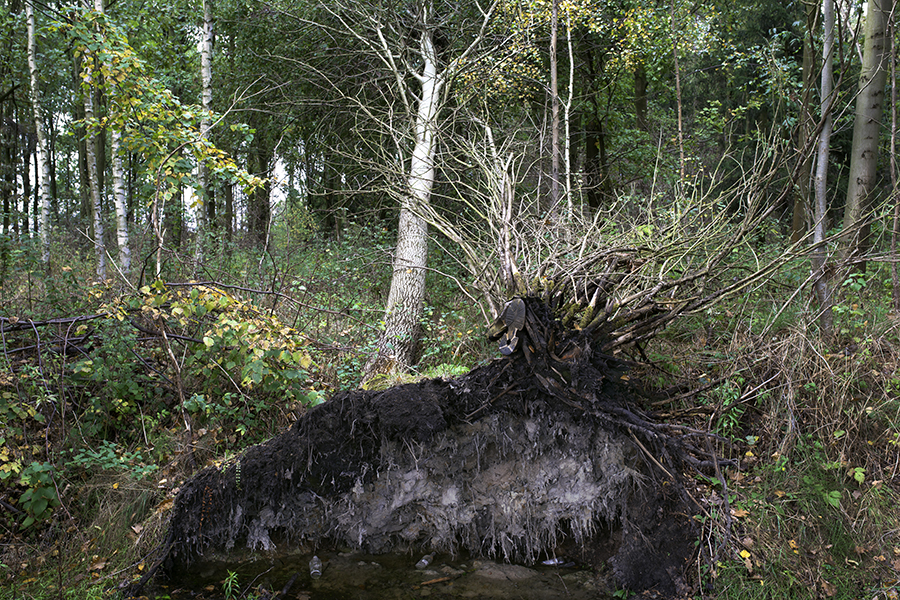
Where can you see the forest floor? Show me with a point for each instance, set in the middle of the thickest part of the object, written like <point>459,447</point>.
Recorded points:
<point>95,450</point>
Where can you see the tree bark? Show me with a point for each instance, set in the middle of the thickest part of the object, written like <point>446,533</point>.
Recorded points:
<point>397,345</point>
<point>554,107</point>
<point>640,97</point>
<point>820,266</point>
<point>681,166</point>
<point>120,200</point>
<point>895,186</point>
<point>94,181</point>
<point>807,125</point>
<point>92,168</point>
<point>205,212</point>
<point>863,176</point>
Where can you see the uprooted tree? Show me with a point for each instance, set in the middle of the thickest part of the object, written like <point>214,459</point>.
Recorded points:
<point>550,440</point>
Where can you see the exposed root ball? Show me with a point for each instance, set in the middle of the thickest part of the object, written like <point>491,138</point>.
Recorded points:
<point>500,463</point>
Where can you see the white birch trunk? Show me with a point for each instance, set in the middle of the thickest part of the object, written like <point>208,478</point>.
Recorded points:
<point>406,299</point>
<point>206,43</point>
<point>819,260</point>
<point>118,175</point>
<point>43,171</point>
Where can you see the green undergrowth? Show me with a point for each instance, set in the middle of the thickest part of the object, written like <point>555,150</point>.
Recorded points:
<point>808,509</point>
<point>95,441</point>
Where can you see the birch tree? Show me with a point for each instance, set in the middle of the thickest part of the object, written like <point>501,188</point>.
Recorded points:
<point>205,212</point>
<point>43,174</point>
<point>120,200</point>
<point>88,76</point>
<point>404,45</point>
<point>863,175</point>
<point>820,267</point>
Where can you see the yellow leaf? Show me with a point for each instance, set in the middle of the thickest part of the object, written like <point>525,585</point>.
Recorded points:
<point>305,361</point>
<point>116,486</point>
<point>745,554</point>
<point>740,513</point>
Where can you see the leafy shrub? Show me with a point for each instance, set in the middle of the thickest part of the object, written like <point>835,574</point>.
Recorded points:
<point>40,496</point>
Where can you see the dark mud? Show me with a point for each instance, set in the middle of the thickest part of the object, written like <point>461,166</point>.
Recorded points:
<point>523,456</point>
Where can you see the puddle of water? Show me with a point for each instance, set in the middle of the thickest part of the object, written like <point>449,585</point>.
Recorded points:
<point>356,576</point>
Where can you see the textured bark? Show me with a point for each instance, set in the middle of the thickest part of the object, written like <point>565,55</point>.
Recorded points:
<point>863,177</point>
<point>205,211</point>
<point>120,200</point>
<point>397,346</point>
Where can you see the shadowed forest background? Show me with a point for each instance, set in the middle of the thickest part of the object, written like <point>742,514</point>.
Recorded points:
<point>218,213</point>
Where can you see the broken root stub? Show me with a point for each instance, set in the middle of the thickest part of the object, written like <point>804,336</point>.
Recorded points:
<point>543,446</point>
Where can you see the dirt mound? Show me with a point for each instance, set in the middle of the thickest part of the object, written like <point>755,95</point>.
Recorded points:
<point>519,456</point>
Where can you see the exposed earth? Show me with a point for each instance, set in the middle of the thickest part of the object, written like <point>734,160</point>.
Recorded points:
<point>542,453</point>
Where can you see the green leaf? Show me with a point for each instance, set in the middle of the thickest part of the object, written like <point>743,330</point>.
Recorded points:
<point>38,507</point>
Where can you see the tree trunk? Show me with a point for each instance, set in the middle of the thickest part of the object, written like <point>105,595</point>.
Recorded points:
<point>94,183</point>
<point>820,266</point>
<point>397,346</point>
<point>895,186</point>
<point>640,97</point>
<point>681,166</point>
<point>259,158</point>
<point>118,174</point>
<point>26,177</point>
<point>91,156</point>
<point>7,167</point>
<point>554,107</point>
<point>228,215</point>
<point>807,125</point>
<point>863,176</point>
<point>205,212</point>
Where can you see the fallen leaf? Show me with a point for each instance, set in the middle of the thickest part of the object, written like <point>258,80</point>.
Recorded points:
<point>137,528</point>
<point>896,564</point>
<point>165,505</point>
<point>98,565</point>
<point>745,554</point>
<point>739,513</point>
<point>862,550</point>
<point>829,589</point>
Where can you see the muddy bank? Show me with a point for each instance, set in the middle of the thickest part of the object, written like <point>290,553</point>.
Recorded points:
<point>514,460</point>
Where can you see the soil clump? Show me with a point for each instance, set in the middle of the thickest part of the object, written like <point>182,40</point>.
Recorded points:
<point>540,453</point>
